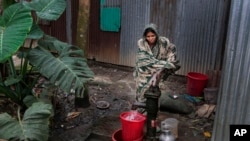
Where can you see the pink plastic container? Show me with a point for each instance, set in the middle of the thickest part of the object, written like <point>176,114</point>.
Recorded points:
<point>132,125</point>
<point>117,136</point>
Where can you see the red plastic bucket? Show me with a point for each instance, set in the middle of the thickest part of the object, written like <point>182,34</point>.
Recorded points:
<point>132,125</point>
<point>117,136</point>
<point>196,82</point>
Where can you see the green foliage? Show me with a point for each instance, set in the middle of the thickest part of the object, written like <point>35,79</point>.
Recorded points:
<point>15,23</point>
<point>6,3</point>
<point>35,33</point>
<point>62,64</point>
<point>68,69</point>
<point>33,125</point>
<point>47,9</point>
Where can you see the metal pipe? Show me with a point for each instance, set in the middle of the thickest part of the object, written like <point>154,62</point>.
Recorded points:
<point>152,96</point>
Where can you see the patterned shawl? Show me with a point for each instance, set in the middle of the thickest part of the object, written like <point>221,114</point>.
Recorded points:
<point>148,62</point>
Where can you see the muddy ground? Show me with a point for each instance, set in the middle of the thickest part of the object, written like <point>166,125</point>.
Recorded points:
<point>115,85</point>
<point>112,91</point>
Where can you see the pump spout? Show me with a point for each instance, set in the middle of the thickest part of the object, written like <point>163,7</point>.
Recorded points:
<point>138,105</point>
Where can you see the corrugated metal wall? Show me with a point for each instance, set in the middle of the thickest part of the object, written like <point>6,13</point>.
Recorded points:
<point>59,27</point>
<point>103,46</point>
<point>56,28</point>
<point>191,26</point>
<point>164,14</point>
<point>195,26</point>
<point>233,103</point>
<point>135,13</point>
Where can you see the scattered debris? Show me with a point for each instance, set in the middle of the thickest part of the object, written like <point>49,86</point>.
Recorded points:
<point>192,99</point>
<point>102,104</point>
<point>118,88</point>
<point>72,115</point>
<point>205,110</point>
<point>207,134</point>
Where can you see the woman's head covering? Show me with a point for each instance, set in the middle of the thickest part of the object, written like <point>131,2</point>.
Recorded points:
<point>151,26</point>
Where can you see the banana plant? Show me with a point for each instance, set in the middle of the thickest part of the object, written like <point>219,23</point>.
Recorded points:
<point>64,65</point>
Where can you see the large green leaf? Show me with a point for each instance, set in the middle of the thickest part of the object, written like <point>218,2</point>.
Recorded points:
<point>35,32</point>
<point>33,126</point>
<point>12,80</point>
<point>52,43</point>
<point>15,23</point>
<point>69,70</point>
<point>47,9</point>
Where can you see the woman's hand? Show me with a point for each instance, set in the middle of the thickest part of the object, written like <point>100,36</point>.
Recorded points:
<point>156,77</point>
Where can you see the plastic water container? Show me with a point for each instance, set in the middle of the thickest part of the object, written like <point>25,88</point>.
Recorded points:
<point>166,135</point>
<point>132,125</point>
<point>117,136</point>
<point>170,124</point>
<point>210,95</point>
<point>196,82</point>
